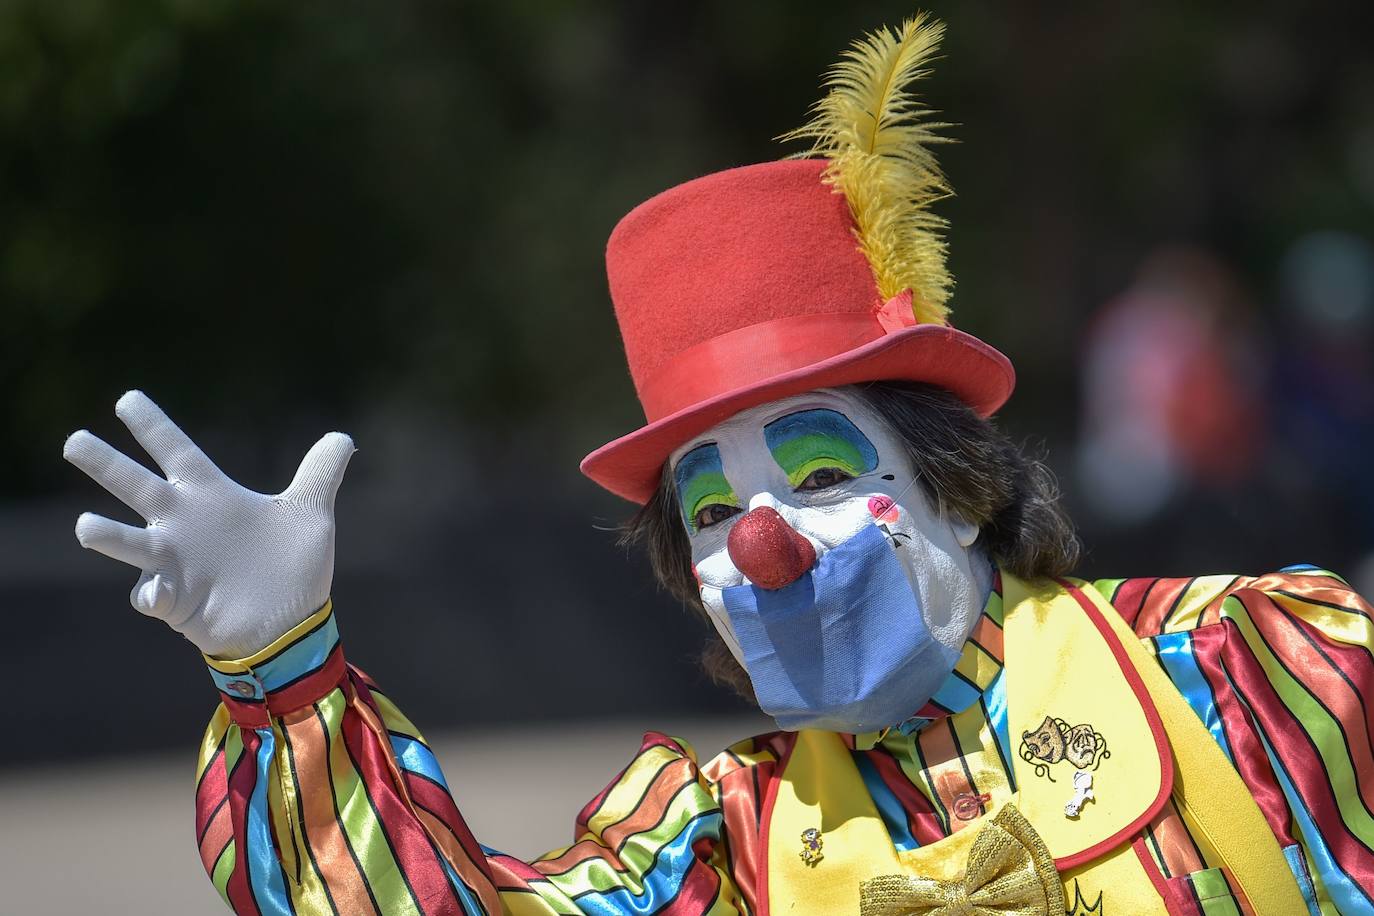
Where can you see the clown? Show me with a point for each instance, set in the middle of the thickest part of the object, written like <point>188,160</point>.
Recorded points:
<point>962,727</point>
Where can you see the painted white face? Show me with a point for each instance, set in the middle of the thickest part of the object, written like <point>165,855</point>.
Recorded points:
<point>829,466</point>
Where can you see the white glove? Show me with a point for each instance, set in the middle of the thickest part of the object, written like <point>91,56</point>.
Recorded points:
<point>228,568</point>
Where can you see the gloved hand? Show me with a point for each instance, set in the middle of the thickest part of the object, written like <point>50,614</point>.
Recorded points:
<point>228,568</point>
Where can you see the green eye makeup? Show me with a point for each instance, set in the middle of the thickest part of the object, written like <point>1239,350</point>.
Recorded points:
<point>808,440</point>
<point>700,479</point>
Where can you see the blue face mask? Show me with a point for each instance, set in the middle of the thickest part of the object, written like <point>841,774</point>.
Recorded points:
<point>844,648</point>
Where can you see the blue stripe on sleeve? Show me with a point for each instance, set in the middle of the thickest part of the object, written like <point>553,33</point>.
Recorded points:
<point>995,701</point>
<point>1344,892</point>
<point>1175,651</point>
<point>956,694</point>
<point>309,653</point>
<point>264,869</point>
<point>1293,854</point>
<point>663,879</point>
<point>300,658</point>
<point>471,905</point>
<point>415,757</point>
<point>893,814</point>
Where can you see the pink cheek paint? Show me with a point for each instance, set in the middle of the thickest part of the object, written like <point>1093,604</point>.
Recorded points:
<point>884,509</point>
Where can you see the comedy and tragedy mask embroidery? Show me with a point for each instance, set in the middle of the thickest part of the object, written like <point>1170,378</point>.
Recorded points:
<point>1056,740</point>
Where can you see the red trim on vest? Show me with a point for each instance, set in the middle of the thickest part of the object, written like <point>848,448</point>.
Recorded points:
<point>1166,759</point>
<point>1065,863</point>
<point>770,799</point>
<point>1168,892</point>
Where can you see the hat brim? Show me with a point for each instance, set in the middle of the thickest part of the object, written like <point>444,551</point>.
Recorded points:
<point>976,373</point>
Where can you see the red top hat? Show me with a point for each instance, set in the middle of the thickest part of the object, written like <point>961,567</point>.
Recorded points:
<point>746,286</point>
<point>750,285</point>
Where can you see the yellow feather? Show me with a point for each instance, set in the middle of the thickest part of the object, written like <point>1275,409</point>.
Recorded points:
<point>876,135</point>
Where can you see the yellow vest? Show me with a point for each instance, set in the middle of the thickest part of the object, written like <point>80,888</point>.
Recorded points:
<point>1069,657</point>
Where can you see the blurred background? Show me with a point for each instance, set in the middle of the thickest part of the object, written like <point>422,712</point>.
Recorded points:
<point>388,218</point>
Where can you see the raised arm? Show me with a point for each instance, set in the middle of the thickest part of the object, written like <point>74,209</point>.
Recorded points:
<point>228,568</point>
<point>314,793</point>
<point>343,808</point>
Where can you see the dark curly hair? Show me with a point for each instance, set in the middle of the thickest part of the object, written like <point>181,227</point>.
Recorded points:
<point>968,467</point>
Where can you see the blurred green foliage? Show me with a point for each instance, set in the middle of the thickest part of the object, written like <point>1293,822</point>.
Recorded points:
<point>259,210</point>
<point>389,218</point>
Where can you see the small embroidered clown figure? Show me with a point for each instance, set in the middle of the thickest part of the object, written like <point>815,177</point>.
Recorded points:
<point>1082,793</point>
<point>811,846</point>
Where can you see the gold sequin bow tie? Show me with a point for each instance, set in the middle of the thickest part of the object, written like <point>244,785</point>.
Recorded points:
<point>1009,873</point>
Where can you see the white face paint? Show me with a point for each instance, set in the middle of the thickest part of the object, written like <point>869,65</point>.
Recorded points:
<point>846,472</point>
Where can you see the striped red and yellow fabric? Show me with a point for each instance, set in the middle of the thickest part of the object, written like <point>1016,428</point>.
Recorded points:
<point>315,794</point>
<point>1278,668</point>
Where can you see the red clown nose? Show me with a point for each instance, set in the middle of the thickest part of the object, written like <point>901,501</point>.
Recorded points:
<point>769,551</point>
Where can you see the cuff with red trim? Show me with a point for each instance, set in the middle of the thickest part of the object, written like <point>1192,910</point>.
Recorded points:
<point>296,670</point>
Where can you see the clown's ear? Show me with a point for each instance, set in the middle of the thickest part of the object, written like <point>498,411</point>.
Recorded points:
<point>964,532</point>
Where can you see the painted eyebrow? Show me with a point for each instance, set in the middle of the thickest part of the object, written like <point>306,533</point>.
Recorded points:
<point>700,474</point>
<point>807,439</point>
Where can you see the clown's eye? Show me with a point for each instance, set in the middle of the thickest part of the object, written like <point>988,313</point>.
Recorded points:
<point>823,478</point>
<point>714,514</point>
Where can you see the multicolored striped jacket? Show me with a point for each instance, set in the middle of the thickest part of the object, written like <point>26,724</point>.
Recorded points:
<point>315,794</point>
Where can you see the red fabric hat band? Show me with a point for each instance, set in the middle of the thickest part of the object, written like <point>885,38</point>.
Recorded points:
<point>747,356</point>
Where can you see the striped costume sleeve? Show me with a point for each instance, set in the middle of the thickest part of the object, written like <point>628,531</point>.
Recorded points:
<point>1279,669</point>
<point>315,794</point>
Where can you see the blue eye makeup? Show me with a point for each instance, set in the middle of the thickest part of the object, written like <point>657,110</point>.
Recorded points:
<point>808,440</point>
<point>700,479</point>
